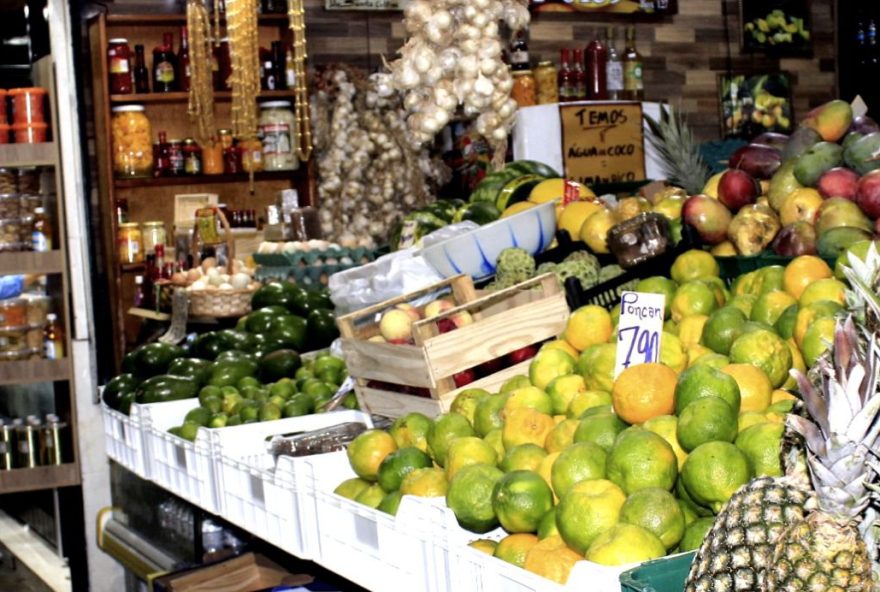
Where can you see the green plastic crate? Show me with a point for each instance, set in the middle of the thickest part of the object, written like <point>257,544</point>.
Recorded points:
<point>661,575</point>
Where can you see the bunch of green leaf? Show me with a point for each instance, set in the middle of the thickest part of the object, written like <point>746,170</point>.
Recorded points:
<point>680,157</point>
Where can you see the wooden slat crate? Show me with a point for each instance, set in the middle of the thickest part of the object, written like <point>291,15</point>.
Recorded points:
<point>503,322</point>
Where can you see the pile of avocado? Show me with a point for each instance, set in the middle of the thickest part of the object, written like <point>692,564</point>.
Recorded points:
<point>260,353</point>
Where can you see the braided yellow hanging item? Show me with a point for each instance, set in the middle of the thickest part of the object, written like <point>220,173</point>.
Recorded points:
<point>201,90</point>
<point>296,17</point>
<point>241,23</point>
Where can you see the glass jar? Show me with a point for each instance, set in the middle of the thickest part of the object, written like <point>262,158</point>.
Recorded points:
<point>153,234</point>
<point>27,105</point>
<point>212,157</point>
<point>175,158</point>
<point>545,83</point>
<point>132,142</point>
<point>192,157</point>
<point>523,91</point>
<point>278,133</point>
<point>119,66</point>
<point>251,155</point>
<point>129,243</point>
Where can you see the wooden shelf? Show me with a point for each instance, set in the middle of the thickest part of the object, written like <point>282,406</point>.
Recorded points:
<point>132,267</point>
<point>31,262</point>
<point>142,20</point>
<point>27,155</point>
<point>32,371</point>
<point>208,179</point>
<point>161,98</point>
<point>51,477</point>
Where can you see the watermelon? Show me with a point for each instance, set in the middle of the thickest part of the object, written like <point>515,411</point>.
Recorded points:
<point>481,212</point>
<point>532,167</point>
<point>488,188</point>
<point>516,190</point>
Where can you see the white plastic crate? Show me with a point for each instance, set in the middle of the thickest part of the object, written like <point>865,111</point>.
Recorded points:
<point>251,495</point>
<point>369,547</point>
<point>124,440</point>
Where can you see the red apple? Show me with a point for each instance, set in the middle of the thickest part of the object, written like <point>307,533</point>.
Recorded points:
<point>868,196</point>
<point>522,354</point>
<point>446,325</point>
<point>409,309</point>
<point>758,160</point>
<point>772,139</point>
<point>432,309</point>
<point>737,189</point>
<point>464,377</point>
<point>491,367</point>
<point>838,182</point>
<point>708,217</point>
<point>795,239</point>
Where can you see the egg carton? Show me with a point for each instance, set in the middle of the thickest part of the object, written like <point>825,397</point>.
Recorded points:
<point>333,255</point>
<point>313,275</point>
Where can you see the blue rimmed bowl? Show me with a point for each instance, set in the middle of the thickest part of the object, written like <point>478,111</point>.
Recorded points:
<point>476,252</point>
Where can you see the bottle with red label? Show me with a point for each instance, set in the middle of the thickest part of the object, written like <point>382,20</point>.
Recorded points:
<point>165,65</point>
<point>119,66</point>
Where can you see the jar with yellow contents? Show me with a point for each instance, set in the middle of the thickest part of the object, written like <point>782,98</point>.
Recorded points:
<point>523,91</point>
<point>129,243</point>
<point>132,138</point>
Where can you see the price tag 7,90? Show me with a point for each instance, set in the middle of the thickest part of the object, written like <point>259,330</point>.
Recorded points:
<point>639,329</point>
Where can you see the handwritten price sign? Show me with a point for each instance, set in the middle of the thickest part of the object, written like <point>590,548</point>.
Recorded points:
<point>639,330</point>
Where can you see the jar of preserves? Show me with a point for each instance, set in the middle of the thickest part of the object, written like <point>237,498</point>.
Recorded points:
<point>212,157</point>
<point>192,157</point>
<point>129,243</point>
<point>132,142</point>
<point>251,155</point>
<point>523,91</point>
<point>27,104</point>
<point>225,137</point>
<point>546,89</point>
<point>119,66</point>
<point>153,234</point>
<point>278,134</point>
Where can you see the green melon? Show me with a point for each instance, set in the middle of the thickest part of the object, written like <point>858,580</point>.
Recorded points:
<point>488,188</point>
<point>532,167</point>
<point>516,190</point>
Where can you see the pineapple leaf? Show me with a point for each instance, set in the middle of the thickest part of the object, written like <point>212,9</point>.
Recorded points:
<point>809,431</point>
<point>679,155</point>
<point>816,405</point>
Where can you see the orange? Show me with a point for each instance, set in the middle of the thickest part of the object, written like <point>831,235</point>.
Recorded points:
<point>781,395</point>
<point>600,428</point>
<point>545,469</point>
<point>563,345</point>
<point>466,451</point>
<point>528,396</point>
<point>547,527</point>
<point>495,439</point>
<point>562,435</point>
<point>549,364</point>
<point>596,365</point>
<point>693,297</point>
<point>724,249</point>
<point>803,271</point>
<point>470,497</point>
<point>575,214</point>
<point>770,306</point>
<point>465,402</point>
<point>797,363</point>
<point>825,289</point>
<point>526,426</point>
<point>520,499</point>
<point>587,400</point>
<point>766,350</point>
<point>351,488</point>
<point>525,457</point>
<point>424,483</point>
<point>562,391</point>
<point>411,430</point>
<point>693,265</point>
<point>690,330</point>
<point>713,472</point>
<point>760,443</point>
<point>368,450</point>
<point>487,546</point>
<point>644,391</point>
<point>657,511</point>
<point>443,431</point>
<point>641,459</point>
<point>665,426</point>
<point>755,389</point>
<point>552,559</point>
<point>514,548</point>
<point>588,326</point>
<point>588,509</point>
<point>817,339</point>
<point>625,543</point>
<point>398,464</point>
<point>807,316</point>
<point>576,463</point>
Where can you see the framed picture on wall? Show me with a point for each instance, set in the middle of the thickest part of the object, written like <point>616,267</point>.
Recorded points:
<point>364,4</point>
<point>776,27</point>
<point>622,7</point>
<point>753,104</point>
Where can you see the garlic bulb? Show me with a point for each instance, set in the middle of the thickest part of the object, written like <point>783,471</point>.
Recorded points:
<point>452,59</point>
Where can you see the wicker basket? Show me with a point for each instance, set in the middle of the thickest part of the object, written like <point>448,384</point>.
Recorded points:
<point>218,303</point>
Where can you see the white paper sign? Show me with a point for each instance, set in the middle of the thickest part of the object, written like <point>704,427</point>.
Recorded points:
<point>639,330</point>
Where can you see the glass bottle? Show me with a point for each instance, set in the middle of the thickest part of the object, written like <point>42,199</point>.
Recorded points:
<point>614,66</point>
<point>566,77</point>
<point>596,63</point>
<point>267,71</point>
<point>119,60</point>
<point>633,85</point>
<point>580,77</point>
<point>121,205</point>
<point>212,157</point>
<point>139,297</point>
<point>141,75</point>
<point>279,65</point>
<point>163,157</point>
<point>183,68</point>
<point>519,51</point>
<point>289,70</point>
<point>53,338</point>
<point>165,65</point>
<point>41,235</point>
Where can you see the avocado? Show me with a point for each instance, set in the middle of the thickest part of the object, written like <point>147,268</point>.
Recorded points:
<point>322,330</point>
<point>260,321</point>
<point>117,387</point>
<point>279,364</point>
<point>210,345</point>
<point>290,332</point>
<point>196,368</point>
<point>273,294</point>
<point>165,387</point>
<point>199,415</point>
<point>230,372</point>
<point>151,359</point>
<point>234,355</point>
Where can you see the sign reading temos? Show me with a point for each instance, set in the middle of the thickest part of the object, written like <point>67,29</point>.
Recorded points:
<point>603,142</point>
<point>639,330</point>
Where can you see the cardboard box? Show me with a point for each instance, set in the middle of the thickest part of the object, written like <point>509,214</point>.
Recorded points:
<point>245,573</point>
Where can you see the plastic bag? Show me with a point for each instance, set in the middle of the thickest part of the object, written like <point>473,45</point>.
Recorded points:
<point>390,276</point>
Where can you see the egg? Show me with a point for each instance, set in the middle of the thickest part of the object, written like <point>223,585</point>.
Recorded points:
<point>199,285</point>
<point>178,278</point>
<point>267,247</point>
<point>224,278</point>
<point>209,263</point>
<point>240,281</point>
<point>224,286</point>
<point>193,274</point>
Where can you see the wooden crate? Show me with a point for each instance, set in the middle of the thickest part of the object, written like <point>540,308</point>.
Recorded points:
<point>503,322</point>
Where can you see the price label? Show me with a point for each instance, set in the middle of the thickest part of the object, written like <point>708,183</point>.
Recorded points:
<point>408,234</point>
<point>639,329</point>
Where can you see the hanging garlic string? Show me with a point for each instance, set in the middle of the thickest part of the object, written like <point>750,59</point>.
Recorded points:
<point>201,92</point>
<point>296,18</point>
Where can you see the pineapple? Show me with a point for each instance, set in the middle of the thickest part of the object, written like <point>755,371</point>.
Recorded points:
<point>799,533</point>
<point>681,161</point>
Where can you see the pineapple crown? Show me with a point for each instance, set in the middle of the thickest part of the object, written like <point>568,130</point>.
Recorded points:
<point>679,154</point>
<point>841,440</point>
<point>864,279</point>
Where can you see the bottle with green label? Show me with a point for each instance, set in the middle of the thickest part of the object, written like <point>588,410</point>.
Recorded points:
<point>165,65</point>
<point>633,85</point>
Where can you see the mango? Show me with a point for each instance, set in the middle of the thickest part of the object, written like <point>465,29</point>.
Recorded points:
<point>799,142</point>
<point>859,154</point>
<point>782,183</point>
<point>831,120</point>
<point>837,240</point>
<point>753,229</point>
<point>816,160</point>
<point>838,212</point>
<point>851,138</point>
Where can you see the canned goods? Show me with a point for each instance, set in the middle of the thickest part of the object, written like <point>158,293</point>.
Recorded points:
<point>51,435</point>
<point>27,438</point>
<point>7,445</point>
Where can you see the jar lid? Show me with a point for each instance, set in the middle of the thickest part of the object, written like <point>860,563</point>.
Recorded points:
<point>174,141</point>
<point>31,90</point>
<point>224,131</point>
<point>127,108</point>
<point>521,73</point>
<point>117,40</point>
<point>545,63</point>
<point>13,302</point>
<point>154,223</point>
<point>129,225</point>
<point>189,141</point>
<point>37,125</point>
<point>274,104</point>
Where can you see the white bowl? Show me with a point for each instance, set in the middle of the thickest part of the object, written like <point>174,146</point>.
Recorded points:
<point>476,252</point>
